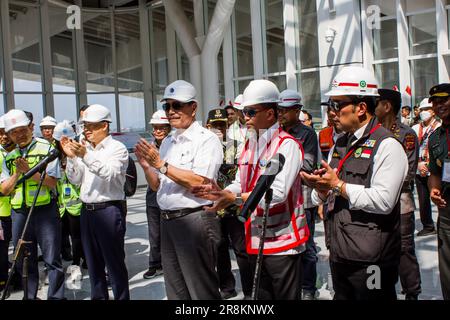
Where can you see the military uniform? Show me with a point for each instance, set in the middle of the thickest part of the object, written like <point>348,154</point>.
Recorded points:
<point>439,155</point>
<point>409,270</point>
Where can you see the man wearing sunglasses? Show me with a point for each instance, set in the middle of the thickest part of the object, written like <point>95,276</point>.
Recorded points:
<point>362,185</point>
<point>289,110</point>
<point>190,237</point>
<point>439,180</point>
<point>287,231</point>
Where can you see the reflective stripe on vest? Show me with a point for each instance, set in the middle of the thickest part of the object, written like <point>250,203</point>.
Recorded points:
<point>5,205</point>
<point>286,222</point>
<point>36,152</point>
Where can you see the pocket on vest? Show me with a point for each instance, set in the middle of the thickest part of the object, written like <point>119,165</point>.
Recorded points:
<point>358,242</point>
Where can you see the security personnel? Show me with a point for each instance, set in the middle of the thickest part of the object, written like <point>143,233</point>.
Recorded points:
<point>232,229</point>
<point>363,184</point>
<point>47,126</point>
<point>287,230</point>
<point>189,236</point>
<point>100,167</point>
<point>69,196</point>
<point>440,180</point>
<point>387,109</point>
<point>45,226</point>
<point>329,134</point>
<point>6,146</point>
<point>289,110</point>
<point>423,130</point>
<point>161,129</point>
<point>237,131</point>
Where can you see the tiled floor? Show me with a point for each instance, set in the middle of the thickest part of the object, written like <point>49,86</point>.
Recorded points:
<point>137,261</point>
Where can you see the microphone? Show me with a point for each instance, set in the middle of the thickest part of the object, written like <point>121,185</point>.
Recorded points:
<point>40,166</point>
<point>274,167</point>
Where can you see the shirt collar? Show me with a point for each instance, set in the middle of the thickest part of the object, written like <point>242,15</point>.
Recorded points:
<point>188,133</point>
<point>102,143</point>
<point>360,132</point>
<point>269,133</point>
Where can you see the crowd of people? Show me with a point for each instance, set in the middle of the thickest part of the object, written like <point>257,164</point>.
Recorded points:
<point>358,175</point>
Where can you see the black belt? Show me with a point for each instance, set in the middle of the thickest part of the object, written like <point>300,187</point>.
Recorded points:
<point>172,214</point>
<point>102,205</point>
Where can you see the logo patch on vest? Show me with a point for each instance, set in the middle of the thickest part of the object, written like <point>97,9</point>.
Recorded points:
<point>335,155</point>
<point>358,152</point>
<point>409,142</point>
<point>369,143</point>
<point>366,153</point>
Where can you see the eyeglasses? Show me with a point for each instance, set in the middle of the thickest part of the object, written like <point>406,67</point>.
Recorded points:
<point>251,113</point>
<point>338,105</point>
<point>176,105</point>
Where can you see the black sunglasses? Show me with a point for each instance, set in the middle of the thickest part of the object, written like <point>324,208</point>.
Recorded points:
<point>250,112</point>
<point>176,105</point>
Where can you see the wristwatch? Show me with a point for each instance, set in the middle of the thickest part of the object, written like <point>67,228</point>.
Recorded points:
<point>337,190</point>
<point>238,201</point>
<point>163,169</point>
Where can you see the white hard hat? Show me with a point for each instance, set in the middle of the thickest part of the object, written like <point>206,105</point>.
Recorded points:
<point>96,113</point>
<point>260,91</point>
<point>63,128</point>
<point>354,81</point>
<point>159,117</point>
<point>180,90</point>
<point>425,104</point>
<point>290,98</point>
<point>15,118</point>
<point>48,121</point>
<point>2,122</point>
<point>237,104</point>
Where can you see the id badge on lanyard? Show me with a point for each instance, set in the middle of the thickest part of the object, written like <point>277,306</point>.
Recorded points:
<point>67,192</point>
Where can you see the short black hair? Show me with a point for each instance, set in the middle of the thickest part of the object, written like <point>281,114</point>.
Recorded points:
<point>29,115</point>
<point>272,105</point>
<point>370,101</point>
<point>84,107</point>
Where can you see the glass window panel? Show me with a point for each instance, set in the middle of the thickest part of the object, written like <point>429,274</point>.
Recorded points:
<point>63,64</point>
<point>159,45</point>
<point>65,107</point>
<point>309,88</point>
<point>242,85</point>
<point>132,112</point>
<point>1,61</point>
<point>34,104</point>
<point>108,100</point>
<point>422,33</point>
<point>211,7</point>
<point>98,47</point>
<point>221,75</point>
<point>387,74</point>
<point>26,57</point>
<point>385,40</point>
<point>157,96</point>
<point>276,59</point>
<point>424,76</point>
<point>419,5</point>
<point>2,104</point>
<point>309,47</point>
<point>243,38</point>
<point>183,67</point>
<point>128,51</point>
<point>280,81</point>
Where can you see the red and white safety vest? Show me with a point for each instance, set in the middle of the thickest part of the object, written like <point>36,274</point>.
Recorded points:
<point>286,223</point>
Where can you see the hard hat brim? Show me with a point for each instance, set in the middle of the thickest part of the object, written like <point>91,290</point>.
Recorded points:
<point>17,125</point>
<point>180,99</point>
<point>254,103</point>
<point>337,93</point>
<point>159,122</point>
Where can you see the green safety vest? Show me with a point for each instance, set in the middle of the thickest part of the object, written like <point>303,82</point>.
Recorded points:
<point>68,197</point>
<point>37,151</point>
<point>5,205</point>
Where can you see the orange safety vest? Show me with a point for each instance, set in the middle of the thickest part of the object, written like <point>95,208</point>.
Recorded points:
<point>286,222</point>
<point>326,139</point>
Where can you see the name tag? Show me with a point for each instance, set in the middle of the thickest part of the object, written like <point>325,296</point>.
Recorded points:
<point>67,192</point>
<point>446,171</point>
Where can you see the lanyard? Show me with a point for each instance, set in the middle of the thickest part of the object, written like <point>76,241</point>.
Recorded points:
<point>352,149</point>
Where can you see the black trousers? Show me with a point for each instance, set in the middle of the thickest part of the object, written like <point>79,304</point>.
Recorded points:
<point>423,194</point>
<point>232,229</point>
<point>103,236</point>
<point>71,226</point>
<point>189,256</point>
<point>281,277</point>
<point>309,256</point>
<point>154,236</point>
<point>4,246</point>
<point>444,248</point>
<point>350,282</point>
<point>409,270</point>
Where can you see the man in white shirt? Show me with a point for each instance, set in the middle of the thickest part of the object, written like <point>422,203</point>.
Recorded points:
<point>362,185</point>
<point>287,231</point>
<point>190,236</point>
<point>99,167</point>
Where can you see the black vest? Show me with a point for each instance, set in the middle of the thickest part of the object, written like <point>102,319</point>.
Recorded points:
<point>357,236</point>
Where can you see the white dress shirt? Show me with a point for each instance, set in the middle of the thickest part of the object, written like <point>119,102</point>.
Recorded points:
<point>195,149</point>
<point>101,172</point>
<point>390,167</point>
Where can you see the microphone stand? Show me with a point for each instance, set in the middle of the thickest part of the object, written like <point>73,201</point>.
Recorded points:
<point>257,277</point>
<point>21,251</point>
